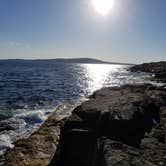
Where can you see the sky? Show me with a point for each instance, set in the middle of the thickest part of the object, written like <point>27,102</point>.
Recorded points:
<point>134,31</point>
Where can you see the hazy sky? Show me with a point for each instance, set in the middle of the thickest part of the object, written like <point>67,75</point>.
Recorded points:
<point>133,31</point>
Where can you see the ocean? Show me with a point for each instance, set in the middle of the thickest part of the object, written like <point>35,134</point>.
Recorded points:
<point>31,90</point>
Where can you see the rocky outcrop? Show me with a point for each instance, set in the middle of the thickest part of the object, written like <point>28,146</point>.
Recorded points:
<point>38,149</point>
<point>158,68</point>
<point>117,126</point>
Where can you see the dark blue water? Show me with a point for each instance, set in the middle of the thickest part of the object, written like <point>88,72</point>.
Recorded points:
<point>40,84</point>
<point>31,90</point>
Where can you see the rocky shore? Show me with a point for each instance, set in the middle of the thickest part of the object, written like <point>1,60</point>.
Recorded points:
<point>117,126</point>
<point>156,68</point>
<point>38,149</point>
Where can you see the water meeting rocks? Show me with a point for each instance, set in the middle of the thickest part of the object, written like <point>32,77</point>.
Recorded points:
<point>157,68</point>
<point>38,149</point>
<point>118,126</point>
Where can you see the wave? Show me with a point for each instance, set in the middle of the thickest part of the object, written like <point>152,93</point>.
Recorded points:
<point>24,122</point>
<point>30,96</point>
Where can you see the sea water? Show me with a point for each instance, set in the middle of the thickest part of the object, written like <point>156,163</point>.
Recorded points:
<point>31,90</point>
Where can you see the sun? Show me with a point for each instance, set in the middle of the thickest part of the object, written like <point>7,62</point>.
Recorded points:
<point>103,7</point>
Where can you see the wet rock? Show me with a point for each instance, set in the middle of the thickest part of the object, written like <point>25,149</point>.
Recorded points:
<point>38,149</point>
<point>6,126</point>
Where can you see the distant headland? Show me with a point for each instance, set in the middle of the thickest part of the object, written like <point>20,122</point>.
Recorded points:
<point>69,60</point>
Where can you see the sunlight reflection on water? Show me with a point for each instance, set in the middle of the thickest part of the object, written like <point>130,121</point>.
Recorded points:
<point>31,91</point>
<point>98,76</point>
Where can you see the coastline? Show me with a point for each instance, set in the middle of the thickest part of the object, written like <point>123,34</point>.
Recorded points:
<point>41,146</point>
<point>38,148</point>
<point>158,69</point>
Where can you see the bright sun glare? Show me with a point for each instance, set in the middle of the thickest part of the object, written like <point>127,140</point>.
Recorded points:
<point>103,7</point>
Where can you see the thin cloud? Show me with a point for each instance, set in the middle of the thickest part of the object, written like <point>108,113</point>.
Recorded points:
<point>19,45</point>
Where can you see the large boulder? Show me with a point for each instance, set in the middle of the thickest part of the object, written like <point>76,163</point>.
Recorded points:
<point>118,126</point>
<point>120,114</point>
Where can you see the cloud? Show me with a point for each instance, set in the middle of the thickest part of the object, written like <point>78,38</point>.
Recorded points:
<point>19,44</point>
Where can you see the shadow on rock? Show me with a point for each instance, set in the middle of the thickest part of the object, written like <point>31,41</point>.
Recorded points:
<point>132,131</point>
<point>127,121</point>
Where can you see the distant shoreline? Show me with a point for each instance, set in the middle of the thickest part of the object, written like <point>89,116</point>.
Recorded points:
<point>69,60</point>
